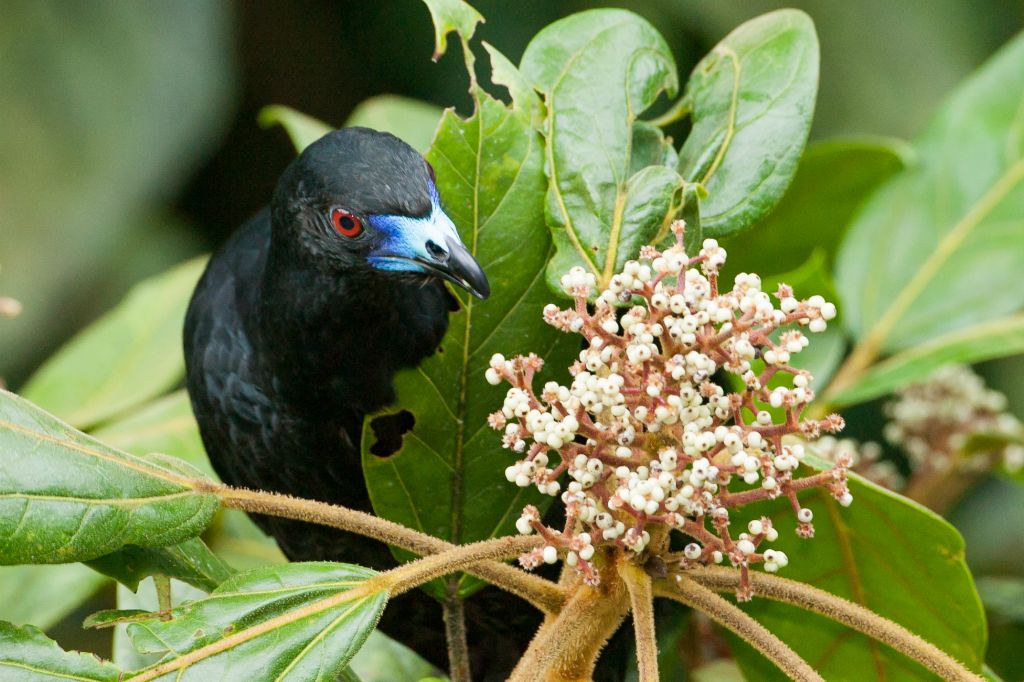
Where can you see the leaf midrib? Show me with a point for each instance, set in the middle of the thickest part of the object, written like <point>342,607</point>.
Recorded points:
<point>943,251</point>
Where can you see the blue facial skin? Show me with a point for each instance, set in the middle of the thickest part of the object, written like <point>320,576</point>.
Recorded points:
<point>404,240</point>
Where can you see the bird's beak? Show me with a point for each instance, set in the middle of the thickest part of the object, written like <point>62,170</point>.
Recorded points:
<point>456,264</point>
<point>430,245</point>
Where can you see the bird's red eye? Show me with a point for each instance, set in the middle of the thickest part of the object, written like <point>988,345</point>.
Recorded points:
<point>345,223</point>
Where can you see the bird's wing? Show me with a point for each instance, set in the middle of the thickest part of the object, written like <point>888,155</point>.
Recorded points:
<point>237,418</point>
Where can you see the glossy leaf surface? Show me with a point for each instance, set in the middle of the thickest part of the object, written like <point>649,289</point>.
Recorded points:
<point>598,71</point>
<point>67,497</point>
<point>751,101</point>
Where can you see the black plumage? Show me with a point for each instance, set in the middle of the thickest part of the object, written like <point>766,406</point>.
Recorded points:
<point>295,332</point>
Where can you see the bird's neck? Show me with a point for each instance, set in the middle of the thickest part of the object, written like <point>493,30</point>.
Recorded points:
<point>339,337</point>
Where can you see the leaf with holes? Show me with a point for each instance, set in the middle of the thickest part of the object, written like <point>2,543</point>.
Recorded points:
<point>67,497</point>
<point>934,249</point>
<point>751,101</point>
<point>446,476</point>
<point>130,356</point>
<point>598,71</point>
<point>883,552</point>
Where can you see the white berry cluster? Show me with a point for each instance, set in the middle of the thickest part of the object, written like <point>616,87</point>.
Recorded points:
<point>645,439</point>
<point>933,421</point>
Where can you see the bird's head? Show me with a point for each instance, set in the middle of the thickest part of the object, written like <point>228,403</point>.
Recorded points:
<point>362,200</point>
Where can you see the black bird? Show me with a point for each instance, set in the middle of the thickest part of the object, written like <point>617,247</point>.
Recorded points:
<point>296,330</point>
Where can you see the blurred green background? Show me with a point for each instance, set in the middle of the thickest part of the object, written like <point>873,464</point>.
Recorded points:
<point>128,135</point>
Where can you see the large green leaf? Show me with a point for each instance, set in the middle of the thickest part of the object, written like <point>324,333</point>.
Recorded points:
<point>833,180</point>
<point>598,71</point>
<point>985,341</point>
<point>131,355</point>
<point>446,479</point>
<point>935,249</point>
<point>290,623</point>
<point>751,101</point>
<point>27,655</point>
<point>883,552</point>
<point>67,497</point>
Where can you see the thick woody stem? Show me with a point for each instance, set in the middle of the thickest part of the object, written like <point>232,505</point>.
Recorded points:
<point>641,601</point>
<point>842,611</point>
<point>541,593</point>
<point>566,646</point>
<point>729,616</point>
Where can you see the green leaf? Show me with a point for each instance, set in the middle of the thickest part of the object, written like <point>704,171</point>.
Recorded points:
<point>303,130</point>
<point>933,250</point>
<point>167,426</point>
<point>995,339</point>
<point>291,622</point>
<point>44,595</point>
<point>751,101</point>
<point>598,71</point>
<point>67,497</point>
<point>129,356</point>
<point>447,478</point>
<point>833,180</point>
<point>191,562</point>
<point>883,552</point>
<point>27,655</point>
<point>409,119</point>
<point>448,16</point>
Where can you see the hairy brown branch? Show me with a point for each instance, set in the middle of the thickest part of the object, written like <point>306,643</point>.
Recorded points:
<point>842,611</point>
<point>455,634</point>
<point>541,593</point>
<point>683,589</point>
<point>567,645</point>
<point>641,601</point>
